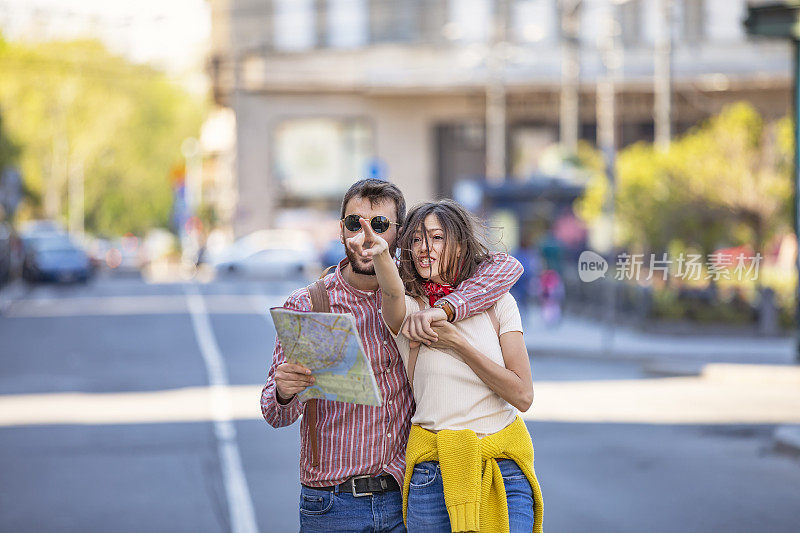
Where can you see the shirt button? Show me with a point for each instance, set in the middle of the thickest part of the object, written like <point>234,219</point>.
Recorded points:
<point>389,435</point>
<point>390,402</point>
<point>385,343</point>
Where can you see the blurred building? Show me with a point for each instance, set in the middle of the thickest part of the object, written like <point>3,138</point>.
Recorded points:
<point>326,91</point>
<point>218,188</point>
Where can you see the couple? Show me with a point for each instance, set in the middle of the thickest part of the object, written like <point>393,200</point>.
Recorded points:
<point>466,464</point>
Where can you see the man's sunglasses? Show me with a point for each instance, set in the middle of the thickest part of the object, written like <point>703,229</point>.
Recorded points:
<point>379,223</point>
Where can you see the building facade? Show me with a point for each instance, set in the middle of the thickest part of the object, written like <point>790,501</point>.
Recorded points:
<point>328,91</point>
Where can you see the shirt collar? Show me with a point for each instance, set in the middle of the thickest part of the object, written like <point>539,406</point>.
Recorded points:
<point>349,288</point>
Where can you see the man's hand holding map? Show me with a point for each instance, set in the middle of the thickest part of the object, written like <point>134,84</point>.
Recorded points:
<point>329,345</point>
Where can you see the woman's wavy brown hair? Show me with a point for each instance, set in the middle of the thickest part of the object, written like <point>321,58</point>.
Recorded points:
<point>460,227</point>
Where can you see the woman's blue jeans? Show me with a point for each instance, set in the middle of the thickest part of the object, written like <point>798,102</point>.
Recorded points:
<point>427,511</point>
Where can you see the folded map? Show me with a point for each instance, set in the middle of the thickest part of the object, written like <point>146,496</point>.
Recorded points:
<point>329,345</point>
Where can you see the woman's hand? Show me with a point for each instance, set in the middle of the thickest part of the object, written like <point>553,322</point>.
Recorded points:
<point>366,243</point>
<point>449,336</point>
<point>417,327</point>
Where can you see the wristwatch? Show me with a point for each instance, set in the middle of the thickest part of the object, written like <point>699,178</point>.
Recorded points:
<point>447,307</point>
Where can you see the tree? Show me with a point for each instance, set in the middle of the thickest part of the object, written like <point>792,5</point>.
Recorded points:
<point>727,182</point>
<point>75,105</point>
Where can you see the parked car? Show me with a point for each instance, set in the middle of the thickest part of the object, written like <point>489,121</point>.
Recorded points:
<point>33,241</point>
<point>126,256</point>
<point>268,254</point>
<point>41,227</point>
<point>56,258</point>
<point>6,252</point>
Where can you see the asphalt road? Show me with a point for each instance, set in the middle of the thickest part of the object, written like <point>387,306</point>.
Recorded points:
<point>139,472</point>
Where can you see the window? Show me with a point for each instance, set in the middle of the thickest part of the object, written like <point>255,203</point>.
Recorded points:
<point>347,23</point>
<point>319,157</point>
<point>394,21</point>
<point>294,24</point>
<point>630,21</point>
<point>694,20</point>
<point>469,20</point>
<point>534,21</point>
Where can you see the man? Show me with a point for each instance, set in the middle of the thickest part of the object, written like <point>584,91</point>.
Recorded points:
<point>352,471</point>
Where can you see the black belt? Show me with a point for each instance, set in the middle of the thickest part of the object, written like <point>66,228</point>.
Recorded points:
<point>365,485</point>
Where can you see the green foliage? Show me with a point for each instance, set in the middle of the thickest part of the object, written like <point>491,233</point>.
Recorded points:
<point>9,151</point>
<point>727,182</point>
<point>74,104</point>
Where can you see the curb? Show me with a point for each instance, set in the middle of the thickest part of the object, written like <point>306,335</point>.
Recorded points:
<point>677,363</point>
<point>787,439</point>
<point>755,374</point>
<point>537,351</point>
<point>669,368</point>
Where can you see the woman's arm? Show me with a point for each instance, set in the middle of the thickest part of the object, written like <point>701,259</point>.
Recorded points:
<point>494,277</point>
<point>512,383</point>
<point>393,293</point>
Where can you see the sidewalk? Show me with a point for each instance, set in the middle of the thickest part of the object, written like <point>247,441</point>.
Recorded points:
<point>582,337</point>
<point>740,361</point>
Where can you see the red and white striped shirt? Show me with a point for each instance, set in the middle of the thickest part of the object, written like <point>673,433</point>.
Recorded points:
<point>357,439</point>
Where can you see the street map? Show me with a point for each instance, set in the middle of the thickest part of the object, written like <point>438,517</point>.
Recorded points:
<point>329,345</point>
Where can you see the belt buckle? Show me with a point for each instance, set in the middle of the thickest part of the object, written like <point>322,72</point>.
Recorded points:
<point>353,486</point>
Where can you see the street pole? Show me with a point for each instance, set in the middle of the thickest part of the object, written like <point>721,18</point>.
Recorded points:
<point>607,140</point>
<point>496,98</point>
<point>58,169</point>
<point>782,20</point>
<point>569,117</point>
<point>662,82</point>
<point>190,148</point>
<point>796,204</point>
<point>76,199</point>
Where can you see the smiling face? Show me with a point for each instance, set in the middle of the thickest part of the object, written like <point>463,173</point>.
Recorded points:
<point>442,242</point>
<point>429,249</point>
<point>367,209</point>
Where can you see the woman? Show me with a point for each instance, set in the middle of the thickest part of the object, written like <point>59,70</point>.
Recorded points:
<point>468,385</point>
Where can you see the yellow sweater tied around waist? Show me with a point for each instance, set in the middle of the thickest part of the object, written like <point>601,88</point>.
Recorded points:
<point>474,492</point>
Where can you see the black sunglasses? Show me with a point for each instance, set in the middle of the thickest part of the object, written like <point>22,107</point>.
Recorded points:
<point>379,223</point>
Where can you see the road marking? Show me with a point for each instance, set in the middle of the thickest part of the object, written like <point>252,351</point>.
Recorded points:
<point>138,305</point>
<point>240,503</point>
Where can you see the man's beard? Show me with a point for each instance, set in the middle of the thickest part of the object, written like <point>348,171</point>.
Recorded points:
<point>356,266</point>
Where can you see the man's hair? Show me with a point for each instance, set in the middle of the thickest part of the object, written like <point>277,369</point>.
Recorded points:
<point>460,227</point>
<point>376,191</point>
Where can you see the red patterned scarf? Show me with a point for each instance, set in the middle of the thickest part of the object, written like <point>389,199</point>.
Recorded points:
<point>436,291</point>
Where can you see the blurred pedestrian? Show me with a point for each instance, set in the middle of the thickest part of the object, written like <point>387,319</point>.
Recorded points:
<point>526,287</point>
<point>551,296</point>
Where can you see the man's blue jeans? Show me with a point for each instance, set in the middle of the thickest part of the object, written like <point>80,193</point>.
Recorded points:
<point>324,511</point>
<point>427,511</point>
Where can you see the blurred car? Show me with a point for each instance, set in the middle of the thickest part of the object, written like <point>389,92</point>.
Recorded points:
<point>33,241</point>
<point>97,248</point>
<point>56,258</point>
<point>41,227</point>
<point>334,252</point>
<point>126,255</point>
<point>268,254</point>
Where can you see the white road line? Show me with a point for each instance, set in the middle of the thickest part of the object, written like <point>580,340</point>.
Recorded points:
<point>240,503</point>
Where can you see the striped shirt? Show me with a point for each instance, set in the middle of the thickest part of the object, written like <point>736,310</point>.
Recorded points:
<point>357,439</point>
